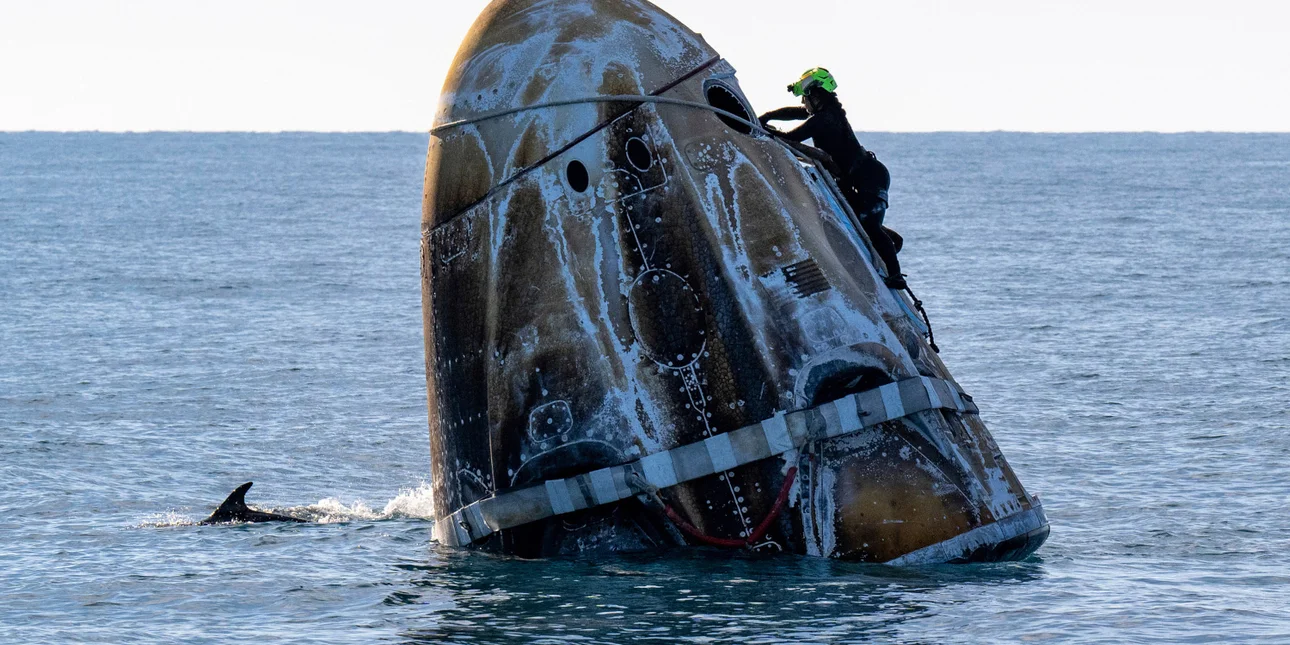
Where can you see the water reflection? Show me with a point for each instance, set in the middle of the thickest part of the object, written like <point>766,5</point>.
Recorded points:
<point>690,596</point>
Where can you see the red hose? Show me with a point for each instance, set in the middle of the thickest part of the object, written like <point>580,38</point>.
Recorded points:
<point>757,533</point>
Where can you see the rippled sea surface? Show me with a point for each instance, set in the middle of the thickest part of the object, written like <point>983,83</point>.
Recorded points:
<point>181,313</point>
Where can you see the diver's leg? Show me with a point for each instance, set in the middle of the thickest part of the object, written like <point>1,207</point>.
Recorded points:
<point>871,211</point>
<point>886,249</point>
<point>896,240</point>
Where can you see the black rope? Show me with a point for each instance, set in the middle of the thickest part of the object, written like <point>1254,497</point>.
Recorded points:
<point>918,304</point>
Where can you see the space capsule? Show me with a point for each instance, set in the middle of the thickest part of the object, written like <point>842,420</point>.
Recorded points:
<point>650,323</point>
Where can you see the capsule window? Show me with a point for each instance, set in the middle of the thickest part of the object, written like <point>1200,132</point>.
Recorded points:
<point>576,173</point>
<point>638,154</point>
<point>723,98</point>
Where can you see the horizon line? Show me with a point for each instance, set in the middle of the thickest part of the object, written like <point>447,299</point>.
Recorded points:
<point>427,131</point>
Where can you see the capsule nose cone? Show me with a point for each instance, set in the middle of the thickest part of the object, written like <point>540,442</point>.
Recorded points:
<point>522,52</point>
<point>527,53</point>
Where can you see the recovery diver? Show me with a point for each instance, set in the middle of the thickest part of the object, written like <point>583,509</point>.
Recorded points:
<point>863,179</point>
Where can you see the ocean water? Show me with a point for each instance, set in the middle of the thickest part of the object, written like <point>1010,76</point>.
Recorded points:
<point>180,313</point>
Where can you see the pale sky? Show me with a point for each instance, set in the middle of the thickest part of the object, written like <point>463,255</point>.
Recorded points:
<point>904,65</point>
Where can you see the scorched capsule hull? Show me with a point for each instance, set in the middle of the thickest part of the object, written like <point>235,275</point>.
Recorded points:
<point>606,280</point>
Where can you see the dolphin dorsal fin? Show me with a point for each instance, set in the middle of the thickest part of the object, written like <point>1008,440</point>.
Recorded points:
<point>234,509</point>
<point>234,505</point>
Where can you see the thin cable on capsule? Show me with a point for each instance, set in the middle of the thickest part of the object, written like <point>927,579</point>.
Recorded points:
<point>618,98</point>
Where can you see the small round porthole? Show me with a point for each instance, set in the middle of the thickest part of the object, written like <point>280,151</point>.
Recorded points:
<point>576,173</point>
<point>638,154</point>
<point>723,98</point>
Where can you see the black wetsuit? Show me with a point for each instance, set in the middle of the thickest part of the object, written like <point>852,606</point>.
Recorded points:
<point>864,180</point>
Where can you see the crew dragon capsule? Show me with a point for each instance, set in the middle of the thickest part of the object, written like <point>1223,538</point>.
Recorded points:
<point>649,322</point>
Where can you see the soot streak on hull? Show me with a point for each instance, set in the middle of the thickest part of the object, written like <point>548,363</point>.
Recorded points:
<point>669,278</point>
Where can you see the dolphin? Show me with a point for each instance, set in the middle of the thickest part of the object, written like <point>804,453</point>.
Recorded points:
<point>234,509</point>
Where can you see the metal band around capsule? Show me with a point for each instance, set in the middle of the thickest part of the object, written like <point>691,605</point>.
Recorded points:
<point>781,433</point>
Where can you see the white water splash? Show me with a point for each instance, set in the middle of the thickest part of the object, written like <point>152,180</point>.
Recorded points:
<point>409,503</point>
<point>164,520</point>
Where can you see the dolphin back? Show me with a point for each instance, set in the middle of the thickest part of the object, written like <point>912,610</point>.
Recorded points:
<point>234,509</point>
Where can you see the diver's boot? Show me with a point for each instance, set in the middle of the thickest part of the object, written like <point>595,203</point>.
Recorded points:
<point>896,282</point>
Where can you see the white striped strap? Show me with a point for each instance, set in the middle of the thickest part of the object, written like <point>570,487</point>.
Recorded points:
<point>775,436</point>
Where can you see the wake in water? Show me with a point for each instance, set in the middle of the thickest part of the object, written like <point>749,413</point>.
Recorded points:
<point>414,503</point>
<point>410,503</point>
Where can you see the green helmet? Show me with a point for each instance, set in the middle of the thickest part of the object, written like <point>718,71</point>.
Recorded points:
<point>811,78</point>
